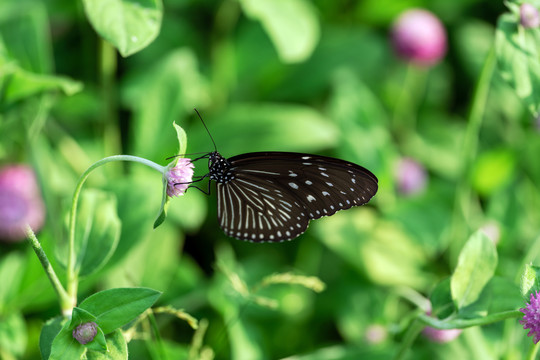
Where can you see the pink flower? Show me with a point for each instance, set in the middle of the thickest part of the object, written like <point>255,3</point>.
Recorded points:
<point>531,317</point>
<point>529,16</point>
<point>439,335</point>
<point>179,177</point>
<point>20,202</point>
<point>411,176</point>
<point>419,36</point>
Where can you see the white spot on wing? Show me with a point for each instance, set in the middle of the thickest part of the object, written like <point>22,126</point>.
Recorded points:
<point>311,198</point>
<point>293,185</point>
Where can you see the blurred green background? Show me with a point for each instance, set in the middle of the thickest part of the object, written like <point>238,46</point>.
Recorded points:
<point>317,77</point>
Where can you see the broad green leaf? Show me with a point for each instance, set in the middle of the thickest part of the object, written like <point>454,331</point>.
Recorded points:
<point>48,333</point>
<point>182,144</point>
<point>530,280</point>
<point>291,24</point>
<point>114,308</point>
<point>246,127</point>
<point>441,300</point>
<point>12,267</point>
<point>493,170</point>
<point>130,25</point>
<point>165,93</point>
<point>64,346</point>
<point>23,84</point>
<point>476,266</point>
<point>518,56</point>
<point>116,345</point>
<point>97,231</point>
<point>13,334</point>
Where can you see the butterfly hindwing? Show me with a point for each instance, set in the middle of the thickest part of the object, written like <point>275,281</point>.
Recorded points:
<point>271,196</point>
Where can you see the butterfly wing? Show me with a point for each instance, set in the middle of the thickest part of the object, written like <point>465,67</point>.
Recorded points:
<point>273,195</point>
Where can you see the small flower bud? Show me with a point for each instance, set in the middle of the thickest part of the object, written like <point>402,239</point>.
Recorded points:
<point>411,176</point>
<point>20,202</point>
<point>419,36</point>
<point>439,335</point>
<point>528,16</point>
<point>375,334</point>
<point>531,317</point>
<point>179,177</point>
<point>85,332</point>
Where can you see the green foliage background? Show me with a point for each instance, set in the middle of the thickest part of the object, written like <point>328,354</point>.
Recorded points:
<point>317,77</point>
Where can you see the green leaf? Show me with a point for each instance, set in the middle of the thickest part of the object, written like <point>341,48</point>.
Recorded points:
<point>23,84</point>
<point>64,346</point>
<point>518,55</point>
<point>97,232</point>
<point>530,280</point>
<point>48,333</point>
<point>441,300</point>
<point>267,126</point>
<point>292,26</point>
<point>116,345</point>
<point>476,266</point>
<point>114,308</point>
<point>130,25</point>
<point>493,170</point>
<point>13,334</point>
<point>12,267</point>
<point>182,139</point>
<point>164,93</point>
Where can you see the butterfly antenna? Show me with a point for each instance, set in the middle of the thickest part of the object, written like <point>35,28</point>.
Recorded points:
<point>208,131</point>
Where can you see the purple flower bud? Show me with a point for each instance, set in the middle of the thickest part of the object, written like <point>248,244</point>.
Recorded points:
<point>85,332</point>
<point>529,16</point>
<point>179,177</point>
<point>441,336</point>
<point>20,202</point>
<point>411,176</point>
<point>419,36</point>
<point>531,317</point>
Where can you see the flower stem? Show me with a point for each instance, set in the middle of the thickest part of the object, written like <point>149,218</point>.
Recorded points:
<point>72,271</point>
<point>412,333</point>
<point>531,355</point>
<point>465,323</point>
<point>65,300</point>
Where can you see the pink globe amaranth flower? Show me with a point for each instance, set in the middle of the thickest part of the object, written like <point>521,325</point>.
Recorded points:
<point>179,177</point>
<point>531,317</point>
<point>419,36</point>
<point>528,16</point>
<point>21,203</point>
<point>411,176</point>
<point>85,332</point>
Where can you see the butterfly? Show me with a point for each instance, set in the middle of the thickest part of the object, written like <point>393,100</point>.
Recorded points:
<point>272,196</point>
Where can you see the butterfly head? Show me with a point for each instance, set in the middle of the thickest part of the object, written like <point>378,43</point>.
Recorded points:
<point>219,168</point>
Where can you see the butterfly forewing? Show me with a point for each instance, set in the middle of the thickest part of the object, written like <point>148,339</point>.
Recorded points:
<point>271,196</point>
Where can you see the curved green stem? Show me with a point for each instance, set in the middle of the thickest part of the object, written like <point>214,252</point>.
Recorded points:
<point>465,323</point>
<point>57,285</point>
<point>72,272</point>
